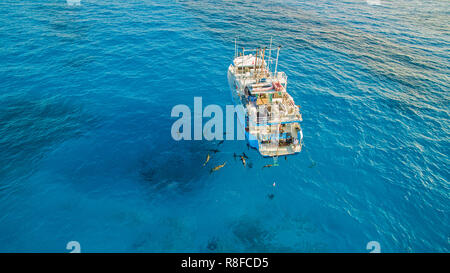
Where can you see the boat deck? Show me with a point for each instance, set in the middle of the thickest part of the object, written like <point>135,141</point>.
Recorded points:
<point>272,118</point>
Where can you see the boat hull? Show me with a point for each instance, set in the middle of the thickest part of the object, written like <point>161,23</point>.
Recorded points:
<point>242,117</point>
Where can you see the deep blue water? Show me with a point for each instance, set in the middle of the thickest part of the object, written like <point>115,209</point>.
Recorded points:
<point>85,147</point>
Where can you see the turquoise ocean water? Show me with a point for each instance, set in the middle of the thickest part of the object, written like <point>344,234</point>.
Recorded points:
<point>86,153</point>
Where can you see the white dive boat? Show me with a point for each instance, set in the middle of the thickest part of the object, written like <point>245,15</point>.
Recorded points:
<point>271,119</point>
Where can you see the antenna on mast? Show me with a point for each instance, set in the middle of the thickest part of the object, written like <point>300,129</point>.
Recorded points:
<point>262,74</point>
<point>256,60</point>
<point>235,55</point>
<point>235,47</point>
<point>276,64</point>
<point>270,53</point>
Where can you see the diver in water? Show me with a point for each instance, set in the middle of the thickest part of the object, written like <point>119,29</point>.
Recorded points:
<point>243,160</point>
<point>207,160</point>
<point>216,168</point>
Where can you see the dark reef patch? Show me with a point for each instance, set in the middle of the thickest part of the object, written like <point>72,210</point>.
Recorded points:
<point>180,166</point>
<point>252,234</point>
<point>212,244</point>
<point>29,127</point>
